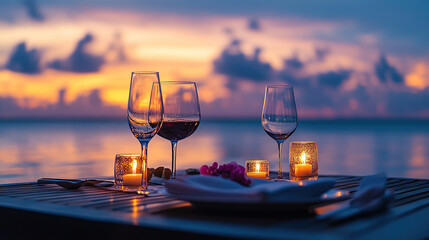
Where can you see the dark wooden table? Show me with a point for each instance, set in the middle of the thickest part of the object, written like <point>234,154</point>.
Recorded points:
<point>51,212</point>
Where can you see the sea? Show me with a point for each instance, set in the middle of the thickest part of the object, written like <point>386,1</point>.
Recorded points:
<point>86,148</point>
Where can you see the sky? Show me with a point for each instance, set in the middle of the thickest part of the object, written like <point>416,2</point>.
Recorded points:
<point>345,59</point>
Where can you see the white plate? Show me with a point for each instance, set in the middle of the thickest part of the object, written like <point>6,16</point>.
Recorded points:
<point>289,204</point>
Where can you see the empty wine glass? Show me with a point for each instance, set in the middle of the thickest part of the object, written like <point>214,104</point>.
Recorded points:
<point>145,112</point>
<point>181,114</point>
<point>279,117</point>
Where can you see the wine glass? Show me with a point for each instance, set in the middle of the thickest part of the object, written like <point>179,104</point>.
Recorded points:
<point>279,117</point>
<point>145,112</point>
<point>181,114</point>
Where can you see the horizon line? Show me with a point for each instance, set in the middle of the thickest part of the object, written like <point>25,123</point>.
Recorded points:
<point>209,119</point>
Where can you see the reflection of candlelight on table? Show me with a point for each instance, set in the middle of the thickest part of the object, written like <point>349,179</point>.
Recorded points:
<point>303,169</point>
<point>133,179</point>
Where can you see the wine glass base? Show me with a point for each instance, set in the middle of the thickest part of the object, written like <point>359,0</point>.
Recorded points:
<point>280,180</point>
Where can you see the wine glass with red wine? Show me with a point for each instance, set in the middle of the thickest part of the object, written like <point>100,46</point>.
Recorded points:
<point>279,117</point>
<point>181,114</point>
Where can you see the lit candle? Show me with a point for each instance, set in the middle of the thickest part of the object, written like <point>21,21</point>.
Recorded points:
<point>133,179</point>
<point>258,173</point>
<point>303,169</point>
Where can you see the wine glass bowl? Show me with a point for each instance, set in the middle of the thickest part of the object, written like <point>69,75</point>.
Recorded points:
<point>279,116</point>
<point>145,112</point>
<point>181,113</point>
<point>145,109</point>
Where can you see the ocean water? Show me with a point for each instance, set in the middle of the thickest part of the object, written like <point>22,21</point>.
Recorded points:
<point>31,150</point>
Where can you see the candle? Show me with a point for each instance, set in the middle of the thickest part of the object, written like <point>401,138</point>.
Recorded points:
<point>260,175</point>
<point>133,179</point>
<point>257,169</point>
<point>303,169</point>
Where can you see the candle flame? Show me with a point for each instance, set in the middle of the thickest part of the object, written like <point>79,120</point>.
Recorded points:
<point>303,157</point>
<point>258,167</point>
<point>134,166</point>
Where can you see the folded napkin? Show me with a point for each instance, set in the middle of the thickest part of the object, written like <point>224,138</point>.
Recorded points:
<point>224,190</point>
<point>371,196</point>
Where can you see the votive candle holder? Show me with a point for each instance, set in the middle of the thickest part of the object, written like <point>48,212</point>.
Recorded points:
<point>258,169</point>
<point>129,172</point>
<point>303,160</point>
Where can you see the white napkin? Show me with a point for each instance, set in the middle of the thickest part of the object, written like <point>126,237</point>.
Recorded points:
<point>370,197</point>
<point>225,190</point>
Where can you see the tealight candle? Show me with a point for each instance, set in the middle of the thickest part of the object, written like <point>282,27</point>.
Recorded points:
<point>258,169</point>
<point>303,163</point>
<point>303,169</point>
<point>129,172</point>
<point>133,179</point>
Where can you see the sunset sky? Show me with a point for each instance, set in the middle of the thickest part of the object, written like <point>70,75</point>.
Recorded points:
<point>345,59</point>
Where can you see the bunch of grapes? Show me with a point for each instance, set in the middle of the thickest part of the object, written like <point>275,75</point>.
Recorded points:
<point>230,170</point>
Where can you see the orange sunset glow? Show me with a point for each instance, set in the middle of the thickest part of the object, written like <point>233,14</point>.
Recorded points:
<point>198,48</point>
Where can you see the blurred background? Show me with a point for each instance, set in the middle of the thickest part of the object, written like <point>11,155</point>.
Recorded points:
<point>360,71</point>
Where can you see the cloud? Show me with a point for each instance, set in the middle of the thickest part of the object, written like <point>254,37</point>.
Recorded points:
<point>387,73</point>
<point>80,60</point>
<point>116,50</point>
<point>293,72</point>
<point>321,53</point>
<point>24,61</point>
<point>84,106</point>
<point>405,103</point>
<point>7,106</point>
<point>93,100</point>
<point>317,94</point>
<point>235,64</point>
<point>254,24</point>
<point>293,64</point>
<point>333,78</point>
<point>33,10</point>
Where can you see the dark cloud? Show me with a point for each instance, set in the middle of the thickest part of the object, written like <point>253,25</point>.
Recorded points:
<point>313,97</point>
<point>254,24</point>
<point>314,92</point>
<point>235,64</point>
<point>320,90</point>
<point>23,60</point>
<point>292,72</point>
<point>332,78</point>
<point>33,10</point>
<point>387,73</point>
<point>293,64</point>
<point>80,60</point>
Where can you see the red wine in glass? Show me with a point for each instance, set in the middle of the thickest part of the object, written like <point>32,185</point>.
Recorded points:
<point>175,131</point>
<point>181,114</point>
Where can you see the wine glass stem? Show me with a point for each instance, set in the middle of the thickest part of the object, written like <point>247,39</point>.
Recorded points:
<point>173,157</point>
<point>144,163</point>
<point>280,175</point>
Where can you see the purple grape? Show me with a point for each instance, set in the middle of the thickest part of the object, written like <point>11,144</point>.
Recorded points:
<point>230,170</point>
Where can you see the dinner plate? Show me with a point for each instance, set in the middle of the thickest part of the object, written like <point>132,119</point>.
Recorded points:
<point>286,204</point>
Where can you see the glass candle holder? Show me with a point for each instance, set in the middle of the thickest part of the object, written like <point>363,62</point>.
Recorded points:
<point>303,160</point>
<point>258,169</point>
<point>129,172</point>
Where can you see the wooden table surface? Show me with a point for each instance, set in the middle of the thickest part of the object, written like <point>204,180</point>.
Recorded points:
<point>49,211</point>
